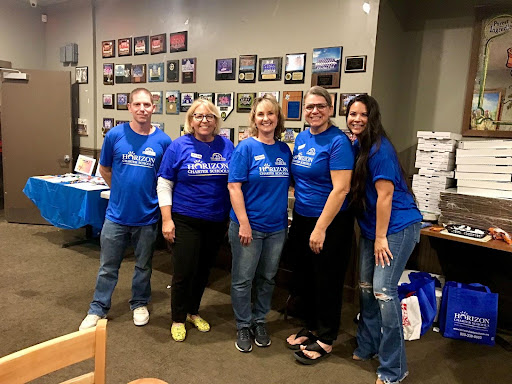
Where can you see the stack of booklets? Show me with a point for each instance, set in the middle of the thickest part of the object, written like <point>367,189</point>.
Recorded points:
<point>435,158</point>
<point>484,168</point>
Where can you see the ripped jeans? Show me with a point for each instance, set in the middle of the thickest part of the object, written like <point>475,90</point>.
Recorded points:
<point>380,325</point>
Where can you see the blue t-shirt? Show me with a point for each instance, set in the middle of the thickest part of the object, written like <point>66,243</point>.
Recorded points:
<point>134,159</point>
<point>263,170</point>
<point>383,164</point>
<point>314,157</point>
<point>200,174</point>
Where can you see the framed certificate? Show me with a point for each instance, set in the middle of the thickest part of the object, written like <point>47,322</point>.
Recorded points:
<point>124,46</point>
<point>225,69</point>
<point>344,100</point>
<point>228,133</point>
<point>247,68</point>
<point>138,73</point>
<point>156,72</point>
<point>158,125</point>
<point>141,45</point>
<point>158,101</point>
<point>188,70</point>
<point>123,73</point>
<point>272,93</point>
<point>178,41</point>
<point>292,105</point>
<point>158,44</point>
<point>108,49</point>
<point>244,102</point>
<point>173,71</point>
<point>243,132</point>
<point>172,102</point>
<point>270,68</point>
<point>108,74</point>
<point>210,96</point>
<point>108,124</point>
<point>108,101</point>
<point>355,64</point>
<point>294,68</point>
<point>186,100</point>
<point>326,67</point>
<point>122,101</point>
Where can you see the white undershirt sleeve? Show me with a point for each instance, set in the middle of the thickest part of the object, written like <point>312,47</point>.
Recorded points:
<point>164,191</point>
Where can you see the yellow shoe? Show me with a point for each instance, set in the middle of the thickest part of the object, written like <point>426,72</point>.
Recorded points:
<point>200,323</point>
<point>178,332</point>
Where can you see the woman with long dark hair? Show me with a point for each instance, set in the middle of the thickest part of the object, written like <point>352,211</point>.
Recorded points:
<point>390,228</point>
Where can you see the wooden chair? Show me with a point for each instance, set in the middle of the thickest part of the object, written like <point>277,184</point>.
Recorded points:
<point>52,355</point>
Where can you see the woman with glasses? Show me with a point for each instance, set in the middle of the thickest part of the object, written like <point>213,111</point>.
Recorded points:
<point>321,231</point>
<point>194,202</point>
<point>259,178</point>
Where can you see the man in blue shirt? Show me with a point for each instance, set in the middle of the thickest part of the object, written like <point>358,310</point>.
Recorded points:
<point>129,162</point>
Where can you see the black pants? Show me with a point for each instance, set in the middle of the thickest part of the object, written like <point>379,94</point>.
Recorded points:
<point>318,279</point>
<point>195,249</point>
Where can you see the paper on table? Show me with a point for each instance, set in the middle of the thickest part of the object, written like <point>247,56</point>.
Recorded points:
<point>88,186</point>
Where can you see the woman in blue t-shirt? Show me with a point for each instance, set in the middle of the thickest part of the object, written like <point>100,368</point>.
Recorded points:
<point>194,202</point>
<point>259,178</point>
<point>321,232</point>
<point>390,228</point>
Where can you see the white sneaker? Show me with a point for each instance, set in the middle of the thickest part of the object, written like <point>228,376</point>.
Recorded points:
<point>90,321</point>
<point>140,316</point>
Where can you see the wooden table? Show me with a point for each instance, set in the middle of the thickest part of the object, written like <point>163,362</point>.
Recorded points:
<point>499,245</point>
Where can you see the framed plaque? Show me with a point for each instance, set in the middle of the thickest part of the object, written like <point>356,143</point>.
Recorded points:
<point>225,69</point>
<point>108,101</point>
<point>292,105</point>
<point>124,46</point>
<point>123,73</point>
<point>344,100</point>
<point>273,93</point>
<point>172,102</point>
<point>158,100</point>
<point>243,132</point>
<point>160,126</point>
<point>289,135</point>
<point>270,68</point>
<point>108,74</point>
<point>228,133</point>
<point>210,96</point>
<point>244,102</point>
<point>158,44</point>
<point>156,72</point>
<point>122,101</point>
<point>247,68</point>
<point>108,124</point>
<point>173,71</point>
<point>108,49</point>
<point>188,70</point>
<point>224,101</point>
<point>326,67</point>
<point>186,100</point>
<point>355,64</point>
<point>178,41</point>
<point>81,75</point>
<point>141,45</point>
<point>119,122</point>
<point>138,73</point>
<point>294,68</point>
<point>333,102</point>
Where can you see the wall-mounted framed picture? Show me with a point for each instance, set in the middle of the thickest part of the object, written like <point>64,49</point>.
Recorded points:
<point>270,68</point>
<point>292,105</point>
<point>122,101</point>
<point>123,73</point>
<point>247,68</point>
<point>188,70</point>
<point>119,122</point>
<point>289,135</point>
<point>141,45</point>
<point>294,68</point>
<point>228,133</point>
<point>344,100</point>
<point>172,102</point>
<point>210,96</point>
<point>326,67</point>
<point>160,126</point>
<point>173,71</point>
<point>178,41</point>
<point>186,100</point>
<point>272,93</point>
<point>108,101</point>
<point>124,46</point>
<point>108,124</point>
<point>156,72</point>
<point>81,75</point>
<point>334,98</point>
<point>158,44</point>
<point>244,102</point>
<point>355,63</point>
<point>138,73</point>
<point>108,73</point>
<point>225,69</point>
<point>243,132</point>
<point>108,49</point>
<point>224,101</point>
<point>158,101</point>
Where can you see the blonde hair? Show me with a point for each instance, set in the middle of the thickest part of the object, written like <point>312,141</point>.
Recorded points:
<point>210,107</point>
<point>270,100</point>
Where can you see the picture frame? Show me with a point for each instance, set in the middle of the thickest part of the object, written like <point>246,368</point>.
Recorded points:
<point>244,102</point>
<point>172,102</point>
<point>173,71</point>
<point>81,75</point>
<point>355,63</point>
<point>124,47</point>
<point>292,105</point>
<point>188,70</point>
<point>276,94</point>
<point>158,125</point>
<point>85,165</point>
<point>108,49</point>
<point>326,67</point>
<point>108,124</point>
<point>489,111</point>
<point>344,100</point>
<point>210,96</point>
<point>122,101</point>
<point>228,133</point>
<point>158,101</point>
<point>138,73</point>
<point>294,68</point>
<point>158,44</point>
<point>81,128</point>
<point>186,100</point>
<point>123,73</point>
<point>334,99</point>
<point>270,68</point>
<point>243,132</point>
<point>247,65</point>
<point>156,72</point>
<point>224,101</point>
<point>108,74</point>
<point>225,69</point>
<point>178,41</point>
<point>289,135</point>
<point>108,101</point>
<point>119,122</point>
<point>141,45</point>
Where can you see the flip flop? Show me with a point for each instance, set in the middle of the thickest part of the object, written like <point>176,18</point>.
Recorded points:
<point>303,332</point>
<point>314,347</point>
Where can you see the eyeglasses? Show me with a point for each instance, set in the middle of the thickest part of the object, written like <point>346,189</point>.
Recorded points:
<point>200,117</point>
<point>319,107</point>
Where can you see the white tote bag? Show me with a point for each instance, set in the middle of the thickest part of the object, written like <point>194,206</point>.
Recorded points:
<point>411,318</point>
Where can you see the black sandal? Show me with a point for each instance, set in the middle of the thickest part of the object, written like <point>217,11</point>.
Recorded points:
<point>314,347</point>
<point>302,333</point>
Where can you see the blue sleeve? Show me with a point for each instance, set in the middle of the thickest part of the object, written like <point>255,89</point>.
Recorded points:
<point>384,165</point>
<point>239,165</point>
<point>107,153</point>
<point>342,154</point>
<point>168,166</point>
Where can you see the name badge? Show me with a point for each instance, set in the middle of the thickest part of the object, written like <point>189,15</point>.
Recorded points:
<point>196,155</point>
<point>301,146</point>
<point>259,157</point>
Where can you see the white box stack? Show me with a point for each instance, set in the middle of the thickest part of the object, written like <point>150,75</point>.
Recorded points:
<point>435,158</point>
<point>484,168</point>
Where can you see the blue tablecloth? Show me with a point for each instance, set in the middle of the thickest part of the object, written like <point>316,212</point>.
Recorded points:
<point>64,206</point>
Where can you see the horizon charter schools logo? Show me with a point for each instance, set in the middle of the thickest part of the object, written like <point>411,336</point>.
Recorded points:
<point>148,161</point>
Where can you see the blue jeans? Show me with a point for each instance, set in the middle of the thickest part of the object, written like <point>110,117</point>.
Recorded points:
<point>114,240</point>
<point>380,325</point>
<point>259,262</point>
